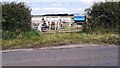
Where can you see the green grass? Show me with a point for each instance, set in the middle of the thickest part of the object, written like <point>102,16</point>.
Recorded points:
<point>34,40</point>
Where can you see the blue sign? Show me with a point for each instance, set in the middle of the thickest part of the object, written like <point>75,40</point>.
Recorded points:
<point>79,18</point>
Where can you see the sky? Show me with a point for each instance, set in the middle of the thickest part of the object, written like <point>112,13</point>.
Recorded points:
<point>41,7</point>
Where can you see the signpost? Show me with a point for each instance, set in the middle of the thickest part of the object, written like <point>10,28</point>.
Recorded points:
<point>79,21</point>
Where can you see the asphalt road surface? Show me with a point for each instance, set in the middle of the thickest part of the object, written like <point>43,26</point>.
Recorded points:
<point>86,56</point>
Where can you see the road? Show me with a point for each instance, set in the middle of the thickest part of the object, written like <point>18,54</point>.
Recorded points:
<point>86,56</point>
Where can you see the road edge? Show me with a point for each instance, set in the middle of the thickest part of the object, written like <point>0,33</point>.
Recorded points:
<point>56,47</point>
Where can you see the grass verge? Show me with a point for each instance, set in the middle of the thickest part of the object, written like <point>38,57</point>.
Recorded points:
<point>33,40</point>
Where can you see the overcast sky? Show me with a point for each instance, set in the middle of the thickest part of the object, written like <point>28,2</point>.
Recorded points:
<point>40,7</point>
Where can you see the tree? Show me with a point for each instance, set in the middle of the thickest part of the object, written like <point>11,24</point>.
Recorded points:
<point>16,18</point>
<point>104,15</point>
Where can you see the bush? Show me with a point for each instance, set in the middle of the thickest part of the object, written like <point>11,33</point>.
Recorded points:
<point>105,16</point>
<point>16,19</point>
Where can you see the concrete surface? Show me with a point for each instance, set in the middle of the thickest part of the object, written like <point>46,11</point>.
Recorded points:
<point>86,56</point>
